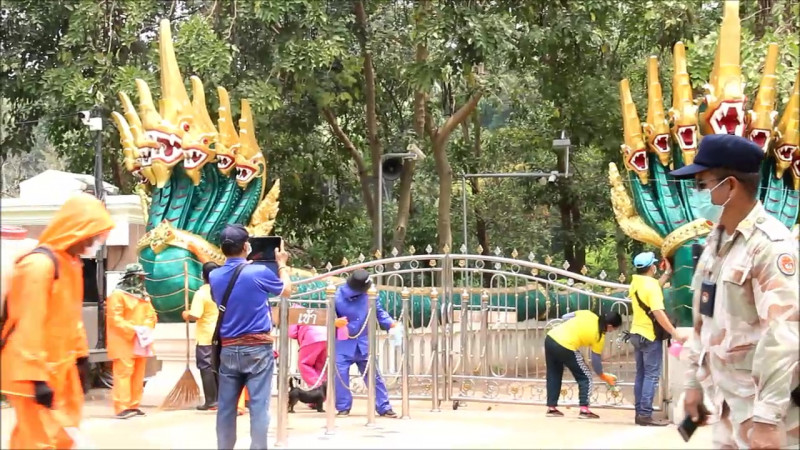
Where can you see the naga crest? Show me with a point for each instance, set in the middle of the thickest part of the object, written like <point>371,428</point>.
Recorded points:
<point>665,212</point>
<point>250,162</point>
<point>192,201</point>
<point>228,144</point>
<point>197,141</point>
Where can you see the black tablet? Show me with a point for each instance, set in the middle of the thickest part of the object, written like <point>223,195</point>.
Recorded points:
<point>264,247</point>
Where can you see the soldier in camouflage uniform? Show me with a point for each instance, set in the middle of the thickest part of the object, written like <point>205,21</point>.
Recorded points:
<point>746,345</point>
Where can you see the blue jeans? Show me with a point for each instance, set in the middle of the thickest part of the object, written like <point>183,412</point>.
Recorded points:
<point>241,366</point>
<point>649,356</point>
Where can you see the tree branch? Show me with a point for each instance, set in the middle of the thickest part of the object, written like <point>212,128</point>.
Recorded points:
<point>363,173</point>
<point>369,86</point>
<point>460,115</point>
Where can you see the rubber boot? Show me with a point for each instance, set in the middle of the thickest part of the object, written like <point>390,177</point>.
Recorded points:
<point>209,390</point>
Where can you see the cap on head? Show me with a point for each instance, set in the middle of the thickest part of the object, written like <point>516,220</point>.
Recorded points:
<point>233,238</point>
<point>359,281</point>
<point>134,269</point>
<point>724,151</point>
<point>645,259</point>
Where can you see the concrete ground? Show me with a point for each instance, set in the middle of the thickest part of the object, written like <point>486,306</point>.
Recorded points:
<point>476,425</point>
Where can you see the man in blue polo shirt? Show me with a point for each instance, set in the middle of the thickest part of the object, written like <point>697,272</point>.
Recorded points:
<point>246,358</point>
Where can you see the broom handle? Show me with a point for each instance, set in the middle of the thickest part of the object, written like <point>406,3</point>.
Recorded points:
<point>186,304</point>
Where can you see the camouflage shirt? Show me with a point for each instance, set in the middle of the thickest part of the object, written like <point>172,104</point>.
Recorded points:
<point>751,346</point>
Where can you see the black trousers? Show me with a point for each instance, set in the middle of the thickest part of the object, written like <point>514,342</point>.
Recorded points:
<point>557,357</point>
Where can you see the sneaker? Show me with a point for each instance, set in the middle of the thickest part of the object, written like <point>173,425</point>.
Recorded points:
<point>344,413</point>
<point>390,414</point>
<point>127,414</point>
<point>139,412</point>
<point>588,415</point>
<point>554,413</point>
<point>649,421</point>
<point>205,407</point>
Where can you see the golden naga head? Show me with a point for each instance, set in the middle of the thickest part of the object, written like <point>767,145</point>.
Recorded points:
<point>656,128</point>
<point>634,152</point>
<point>201,136</point>
<point>228,143</point>
<point>761,119</point>
<point>683,113</point>
<point>175,115</point>
<point>787,146</point>
<point>725,97</point>
<point>250,162</point>
<point>130,154</point>
<point>145,147</point>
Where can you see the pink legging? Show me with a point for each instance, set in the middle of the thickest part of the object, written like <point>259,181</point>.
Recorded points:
<point>311,361</point>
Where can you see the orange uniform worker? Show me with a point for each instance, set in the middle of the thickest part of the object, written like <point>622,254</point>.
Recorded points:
<point>43,337</point>
<point>128,308</point>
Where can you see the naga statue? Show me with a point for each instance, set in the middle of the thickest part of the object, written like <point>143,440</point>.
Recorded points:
<point>195,176</point>
<point>663,210</point>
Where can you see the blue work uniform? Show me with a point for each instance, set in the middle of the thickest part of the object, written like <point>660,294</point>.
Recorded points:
<point>355,349</point>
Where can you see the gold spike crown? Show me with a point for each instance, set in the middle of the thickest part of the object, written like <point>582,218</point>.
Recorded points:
<point>787,147</point>
<point>228,143</point>
<point>656,128</point>
<point>129,151</point>
<point>201,136</point>
<point>683,114</point>
<point>250,162</point>
<point>174,118</point>
<point>725,97</point>
<point>145,147</point>
<point>633,150</point>
<point>761,118</point>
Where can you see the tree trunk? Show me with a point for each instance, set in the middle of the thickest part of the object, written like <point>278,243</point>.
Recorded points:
<point>404,202</point>
<point>579,259</point>
<point>622,254</point>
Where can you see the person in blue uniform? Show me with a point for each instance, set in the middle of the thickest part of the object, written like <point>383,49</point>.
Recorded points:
<point>352,347</point>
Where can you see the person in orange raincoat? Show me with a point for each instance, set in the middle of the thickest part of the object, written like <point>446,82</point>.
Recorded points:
<point>130,318</point>
<point>44,341</point>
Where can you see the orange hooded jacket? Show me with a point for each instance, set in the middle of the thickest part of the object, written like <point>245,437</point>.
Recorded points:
<point>48,332</point>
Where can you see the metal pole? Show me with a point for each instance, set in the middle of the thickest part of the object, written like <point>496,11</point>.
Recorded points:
<point>330,400</point>
<point>283,370</point>
<point>405,368</point>
<point>485,332</point>
<point>435,350</point>
<point>380,205</point>
<point>372,339</point>
<point>464,208</point>
<point>100,265</point>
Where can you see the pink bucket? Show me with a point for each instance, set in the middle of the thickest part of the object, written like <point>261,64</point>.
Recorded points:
<point>342,334</point>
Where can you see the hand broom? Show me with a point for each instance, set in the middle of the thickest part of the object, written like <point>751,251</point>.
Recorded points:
<point>186,392</point>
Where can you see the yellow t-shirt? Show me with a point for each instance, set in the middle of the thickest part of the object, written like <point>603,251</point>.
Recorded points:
<point>206,310</point>
<point>651,295</point>
<point>579,331</point>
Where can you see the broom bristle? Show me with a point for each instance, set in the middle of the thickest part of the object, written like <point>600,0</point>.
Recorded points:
<point>184,394</point>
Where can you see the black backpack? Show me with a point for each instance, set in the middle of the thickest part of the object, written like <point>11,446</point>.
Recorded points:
<point>4,317</point>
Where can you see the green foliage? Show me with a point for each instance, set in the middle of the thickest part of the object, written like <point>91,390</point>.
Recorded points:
<point>545,67</point>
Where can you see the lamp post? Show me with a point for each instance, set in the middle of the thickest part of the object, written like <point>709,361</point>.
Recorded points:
<point>96,124</point>
<point>413,154</point>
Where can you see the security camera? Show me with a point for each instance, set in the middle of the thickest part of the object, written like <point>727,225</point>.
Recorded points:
<point>551,178</point>
<point>412,148</point>
<point>85,116</point>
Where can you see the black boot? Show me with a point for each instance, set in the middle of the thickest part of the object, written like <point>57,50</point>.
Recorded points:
<point>209,390</point>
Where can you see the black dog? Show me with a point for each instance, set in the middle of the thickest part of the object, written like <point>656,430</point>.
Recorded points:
<point>313,397</point>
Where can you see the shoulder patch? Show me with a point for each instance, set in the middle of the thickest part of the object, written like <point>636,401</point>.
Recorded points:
<point>773,228</point>
<point>786,264</point>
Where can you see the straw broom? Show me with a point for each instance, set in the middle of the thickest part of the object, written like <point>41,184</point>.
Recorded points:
<point>186,392</point>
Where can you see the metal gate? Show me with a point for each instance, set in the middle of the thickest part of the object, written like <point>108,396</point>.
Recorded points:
<point>475,327</point>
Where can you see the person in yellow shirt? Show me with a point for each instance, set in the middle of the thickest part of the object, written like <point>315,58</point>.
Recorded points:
<point>204,310</point>
<point>646,291</point>
<point>562,348</point>
<point>130,315</point>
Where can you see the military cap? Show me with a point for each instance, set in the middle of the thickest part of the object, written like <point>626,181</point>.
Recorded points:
<point>134,269</point>
<point>724,151</point>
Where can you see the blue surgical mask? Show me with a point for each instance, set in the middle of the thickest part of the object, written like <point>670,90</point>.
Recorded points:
<point>706,209</point>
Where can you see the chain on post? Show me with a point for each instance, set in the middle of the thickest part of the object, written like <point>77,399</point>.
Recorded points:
<point>330,415</point>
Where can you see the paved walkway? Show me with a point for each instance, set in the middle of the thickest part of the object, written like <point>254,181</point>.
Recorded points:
<point>473,426</point>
